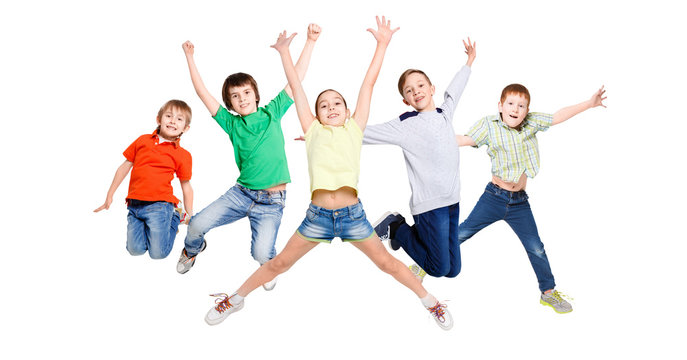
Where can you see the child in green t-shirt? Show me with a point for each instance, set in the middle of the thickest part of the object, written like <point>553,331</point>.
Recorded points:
<point>256,135</point>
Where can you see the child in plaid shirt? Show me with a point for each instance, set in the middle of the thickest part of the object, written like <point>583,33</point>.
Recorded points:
<point>512,145</point>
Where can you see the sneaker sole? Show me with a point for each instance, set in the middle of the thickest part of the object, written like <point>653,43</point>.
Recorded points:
<point>554,309</point>
<point>383,217</point>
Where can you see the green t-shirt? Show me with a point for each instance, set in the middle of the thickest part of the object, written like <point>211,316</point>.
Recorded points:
<point>258,143</point>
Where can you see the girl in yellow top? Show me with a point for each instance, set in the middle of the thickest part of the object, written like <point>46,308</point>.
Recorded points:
<point>333,140</point>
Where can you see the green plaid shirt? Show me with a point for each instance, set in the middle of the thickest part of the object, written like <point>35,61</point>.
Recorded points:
<point>512,152</point>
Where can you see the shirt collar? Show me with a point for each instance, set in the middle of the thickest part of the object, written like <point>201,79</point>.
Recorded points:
<point>158,140</point>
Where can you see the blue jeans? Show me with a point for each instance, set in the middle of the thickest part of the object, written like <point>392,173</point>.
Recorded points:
<point>512,207</point>
<point>433,241</point>
<point>263,208</point>
<point>323,225</point>
<point>151,227</point>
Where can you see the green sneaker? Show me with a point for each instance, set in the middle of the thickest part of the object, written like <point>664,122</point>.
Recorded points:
<point>556,301</point>
<point>417,271</point>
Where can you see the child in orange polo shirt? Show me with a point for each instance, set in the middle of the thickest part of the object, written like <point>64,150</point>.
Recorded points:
<point>153,214</point>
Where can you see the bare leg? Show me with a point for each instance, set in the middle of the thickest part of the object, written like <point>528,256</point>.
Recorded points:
<point>374,249</point>
<point>294,250</point>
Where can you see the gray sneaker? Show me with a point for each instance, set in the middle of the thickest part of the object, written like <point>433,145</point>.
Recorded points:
<point>186,262</point>
<point>417,271</point>
<point>223,308</point>
<point>556,301</point>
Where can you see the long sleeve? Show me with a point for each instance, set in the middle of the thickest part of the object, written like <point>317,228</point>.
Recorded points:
<point>385,133</point>
<point>455,90</point>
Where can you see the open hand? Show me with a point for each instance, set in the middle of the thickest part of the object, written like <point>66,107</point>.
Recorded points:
<point>471,50</point>
<point>384,32</point>
<point>283,42</point>
<point>598,98</point>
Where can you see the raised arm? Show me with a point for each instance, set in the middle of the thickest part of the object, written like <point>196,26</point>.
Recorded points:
<point>120,174</point>
<point>304,60</point>
<point>210,102</point>
<point>383,35</point>
<point>572,110</point>
<point>304,115</point>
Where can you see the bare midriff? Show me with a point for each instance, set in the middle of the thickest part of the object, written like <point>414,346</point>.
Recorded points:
<point>510,186</point>
<point>337,199</point>
<point>279,187</point>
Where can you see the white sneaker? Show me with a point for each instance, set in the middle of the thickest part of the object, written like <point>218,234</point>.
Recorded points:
<point>270,284</point>
<point>441,316</point>
<point>223,308</point>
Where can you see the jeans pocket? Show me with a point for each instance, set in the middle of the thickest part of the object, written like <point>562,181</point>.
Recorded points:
<point>311,215</point>
<point>357,213</point>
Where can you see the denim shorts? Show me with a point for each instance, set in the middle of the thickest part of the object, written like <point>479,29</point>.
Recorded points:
<point>323,225</point>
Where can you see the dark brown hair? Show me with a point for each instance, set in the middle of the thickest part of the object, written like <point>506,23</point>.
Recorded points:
<point>238,79</point>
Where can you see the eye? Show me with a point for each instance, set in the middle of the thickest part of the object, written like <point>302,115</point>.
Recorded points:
<point>234,96</point>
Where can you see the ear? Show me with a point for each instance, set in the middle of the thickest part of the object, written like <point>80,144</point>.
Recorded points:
<point>158,120</point>
<point>500,107</point>
<point>405,102</point>
<point>186,128</point>
<point>432,90</point>
<point>348,114</point>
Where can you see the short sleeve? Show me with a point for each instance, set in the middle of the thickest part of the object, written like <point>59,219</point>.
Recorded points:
<point>130,152</point>
<point>183,170</point>
<point>225,119</point>
<point>539,121</point>
<point>479,132</point>
<point>279,105</point>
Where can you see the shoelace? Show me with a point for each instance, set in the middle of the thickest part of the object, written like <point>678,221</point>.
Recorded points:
<point>222,302</point>
<point>438,311</point>
<point>558,296</point>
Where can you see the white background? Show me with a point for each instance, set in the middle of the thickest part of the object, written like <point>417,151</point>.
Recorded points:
<point>81,80</point>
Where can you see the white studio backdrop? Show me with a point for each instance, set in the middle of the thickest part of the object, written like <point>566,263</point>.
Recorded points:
<point>82,80</point>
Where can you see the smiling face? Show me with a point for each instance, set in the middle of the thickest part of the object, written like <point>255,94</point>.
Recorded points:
<point>417,92</point>
<point>331,108</point>
<point>243,99</point>
<point>173,121</point>
<point>514,109</point>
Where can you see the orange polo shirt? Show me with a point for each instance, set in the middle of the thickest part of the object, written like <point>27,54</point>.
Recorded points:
<point>155,164</point>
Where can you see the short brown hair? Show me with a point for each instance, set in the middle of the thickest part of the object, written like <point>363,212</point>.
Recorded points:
<point>402,79</point>
<point>238,79</point>
<point>515,89</point>
<point>176,104</point>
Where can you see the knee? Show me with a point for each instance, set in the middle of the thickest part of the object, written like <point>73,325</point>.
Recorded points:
<point>136,250</point>
<point>454,272</point>
<point>438,268</point>
<point>278,265</point>
<point>389,266</point>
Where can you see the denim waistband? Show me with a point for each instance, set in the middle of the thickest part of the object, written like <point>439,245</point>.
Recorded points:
<point>134,202</point>
<point>258,193</point>
<point>333,213</point>
<point>511,196</point>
